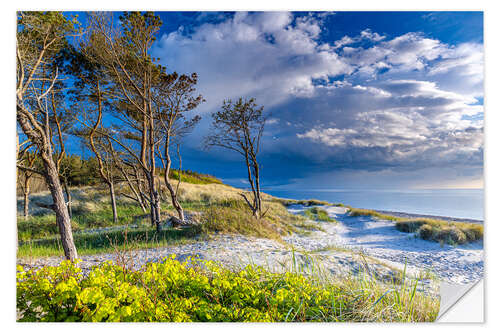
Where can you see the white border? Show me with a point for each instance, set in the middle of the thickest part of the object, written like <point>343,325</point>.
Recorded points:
<point>492,166</point>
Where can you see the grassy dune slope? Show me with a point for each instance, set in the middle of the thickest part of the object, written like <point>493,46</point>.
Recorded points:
<point>430,229</point>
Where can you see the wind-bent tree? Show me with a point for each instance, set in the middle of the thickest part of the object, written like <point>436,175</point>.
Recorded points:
<point>41,36</point>
<point>239,127</point>
<point>94,93</point>
<point>173,99</point>
<point>124,55</point>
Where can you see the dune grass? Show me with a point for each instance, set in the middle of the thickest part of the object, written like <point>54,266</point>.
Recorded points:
<point>369,212</point>
<point>450,232</point>
<point>220,208</point>
<point>305,202</point>
<point>318,214</point>
<point>443,231</point>
<point>192,177</point>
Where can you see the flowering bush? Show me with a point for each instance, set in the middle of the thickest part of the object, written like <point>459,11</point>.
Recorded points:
<point>197,291</point>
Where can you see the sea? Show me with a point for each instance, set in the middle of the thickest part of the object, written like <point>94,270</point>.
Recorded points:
<point>458,203</point>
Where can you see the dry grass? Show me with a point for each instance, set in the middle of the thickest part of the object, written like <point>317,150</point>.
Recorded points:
<point>443,231</point>
<point>430,229</point>
<point>369,212</point>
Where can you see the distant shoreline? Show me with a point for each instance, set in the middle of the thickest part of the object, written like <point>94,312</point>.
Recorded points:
<point>438,217</point>
<point>447,214</point>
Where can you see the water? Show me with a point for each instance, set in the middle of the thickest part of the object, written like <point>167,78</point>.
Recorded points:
<point>460,203</point>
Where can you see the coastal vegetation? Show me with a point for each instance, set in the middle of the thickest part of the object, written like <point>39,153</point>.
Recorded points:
<point>318,214</point>
<point>449,232</point>
<point>205,291</point>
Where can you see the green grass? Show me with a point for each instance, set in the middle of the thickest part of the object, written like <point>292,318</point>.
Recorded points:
<point>233,216</point>
<point>39,236</point>
<point>441,231</point>
<point>306,202</point>
<point>108,241</point>
<point>318,214</point>
<point>174,291</point>
<point>45,225</point>
<point>369,212</point>
<point>194,177</point>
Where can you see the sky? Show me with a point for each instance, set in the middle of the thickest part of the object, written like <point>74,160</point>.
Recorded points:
<point>355,100</point>
<point>388,100</point>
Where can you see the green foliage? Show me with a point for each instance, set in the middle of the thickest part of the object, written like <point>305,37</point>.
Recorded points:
<point>204,291</point>
<point>193,177</point>
<point>80,172</point>
<point>318,214</point>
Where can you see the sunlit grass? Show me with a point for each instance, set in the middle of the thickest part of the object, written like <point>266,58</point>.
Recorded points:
<point>318,214</point>
<point>450,232</point>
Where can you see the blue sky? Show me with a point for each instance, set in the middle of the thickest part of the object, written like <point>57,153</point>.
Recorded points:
<point>373,100</point>
<point>357,99</point>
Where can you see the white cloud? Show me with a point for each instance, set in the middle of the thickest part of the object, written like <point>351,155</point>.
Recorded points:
<point>406,100</point>
<point>409,120</point>
<point>373,36</point>
<point>262,55</point>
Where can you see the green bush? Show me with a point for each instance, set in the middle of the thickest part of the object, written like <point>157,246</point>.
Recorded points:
<point>203,291</point>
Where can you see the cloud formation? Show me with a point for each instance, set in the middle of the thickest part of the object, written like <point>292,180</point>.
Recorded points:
<point>361,102</point>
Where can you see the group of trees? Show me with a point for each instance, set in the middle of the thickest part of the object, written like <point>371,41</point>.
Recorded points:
<point>101,85</point>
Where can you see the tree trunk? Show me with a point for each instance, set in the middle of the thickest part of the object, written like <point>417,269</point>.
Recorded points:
<point>257,187</point>
<point>59,207</point>
<point>175,202</point>
<point>133,189</point>
<point>26,195</point>
<point>113,201</point>
<point>68,196</point>
<point>26,204</point>
<point>154,203</point>
<point>173,193</point>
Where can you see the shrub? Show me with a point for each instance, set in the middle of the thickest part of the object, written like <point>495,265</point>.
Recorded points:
<point>425,232</point>
<point>409,226</point>
<point>204,291</point>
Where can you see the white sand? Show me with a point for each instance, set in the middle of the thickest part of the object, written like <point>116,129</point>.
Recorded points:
<point>380,239</point>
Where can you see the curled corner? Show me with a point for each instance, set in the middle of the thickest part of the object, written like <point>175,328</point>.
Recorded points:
<point>451,294</point>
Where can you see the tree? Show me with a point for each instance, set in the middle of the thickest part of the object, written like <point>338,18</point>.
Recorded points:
<point>92,94</point>
<point>28,160</point>
<point>124,55</point>
<point>239,127</point>
<point>41,36</point>
<point>173,99</point>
